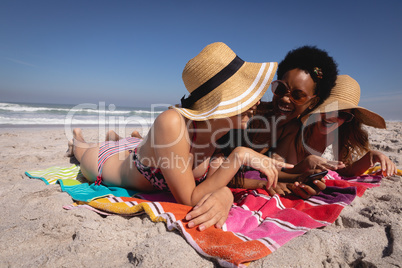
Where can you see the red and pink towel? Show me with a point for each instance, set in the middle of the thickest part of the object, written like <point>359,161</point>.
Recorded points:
<point>258,224</point>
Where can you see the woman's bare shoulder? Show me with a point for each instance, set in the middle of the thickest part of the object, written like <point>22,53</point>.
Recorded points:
<point>170,119</point>
<point>169,125</point>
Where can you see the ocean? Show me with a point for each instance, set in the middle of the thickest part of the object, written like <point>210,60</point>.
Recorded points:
<point>29,114</point>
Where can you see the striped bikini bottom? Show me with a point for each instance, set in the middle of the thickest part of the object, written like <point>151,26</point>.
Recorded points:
<point>110,148</point>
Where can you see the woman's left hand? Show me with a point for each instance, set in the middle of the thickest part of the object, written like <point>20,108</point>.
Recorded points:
<point>306,187</point>
<point>387,166</point>
<point>318,162</point>
<point>282,189</point>
<point>212,209</point>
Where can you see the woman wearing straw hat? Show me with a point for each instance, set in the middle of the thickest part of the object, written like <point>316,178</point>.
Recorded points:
<point>175,155</point>
<point>305,78</point>
<point>337,122</point>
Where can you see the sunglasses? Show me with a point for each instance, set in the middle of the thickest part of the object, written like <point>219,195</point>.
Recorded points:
<point>297,96</point>
<point>334,117</point>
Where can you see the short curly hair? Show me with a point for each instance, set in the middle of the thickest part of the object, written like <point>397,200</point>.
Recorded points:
<point>307,58</point>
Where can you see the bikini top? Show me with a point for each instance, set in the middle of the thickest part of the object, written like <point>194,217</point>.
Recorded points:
<point>155,176</point>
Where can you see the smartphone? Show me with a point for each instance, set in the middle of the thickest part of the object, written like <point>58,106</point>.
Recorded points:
<point>322,173</point>
<point>311,178</point>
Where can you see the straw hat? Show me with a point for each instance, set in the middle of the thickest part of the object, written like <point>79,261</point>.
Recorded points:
<point>221,84</point>
<point>346,95</point>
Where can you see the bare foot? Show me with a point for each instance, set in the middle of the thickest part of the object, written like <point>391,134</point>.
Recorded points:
<point>77,134</point>
<point>69,152</point>
<point>112,136</point>
<point>80,146</point>
<point>136,134</point>
<point>78,139</point>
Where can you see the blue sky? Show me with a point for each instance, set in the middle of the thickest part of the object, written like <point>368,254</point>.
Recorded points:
<point>132,53</point>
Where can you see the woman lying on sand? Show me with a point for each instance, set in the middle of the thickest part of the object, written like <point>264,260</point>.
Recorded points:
<point>176,153</point>
<point>308,74</point>
<point>337,122</point>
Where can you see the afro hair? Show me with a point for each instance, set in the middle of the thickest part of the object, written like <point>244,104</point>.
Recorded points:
<point>308,58</point>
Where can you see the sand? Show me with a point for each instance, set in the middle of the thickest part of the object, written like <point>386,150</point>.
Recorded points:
<point>36,231</point>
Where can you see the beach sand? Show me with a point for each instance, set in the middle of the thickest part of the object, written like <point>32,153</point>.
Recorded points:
<point>35,231</point>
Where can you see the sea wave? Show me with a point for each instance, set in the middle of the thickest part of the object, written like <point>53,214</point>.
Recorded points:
<point>146,122</point>
<point>78,109</point>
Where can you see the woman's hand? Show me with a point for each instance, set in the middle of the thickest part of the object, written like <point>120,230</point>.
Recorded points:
<point>316,162</point>
<point>387,166</point>
<point>266,165</point>
<point>282,189</point>
<point>306,187</point>
<point>212,209</point>
<point>367,161</point>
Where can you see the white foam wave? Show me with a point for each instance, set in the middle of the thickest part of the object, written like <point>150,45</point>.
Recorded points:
<point>10,107</point>
<point>147,122</point>
<point>146,112</point>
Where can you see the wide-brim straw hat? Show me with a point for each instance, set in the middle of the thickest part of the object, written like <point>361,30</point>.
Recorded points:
<point>221,84</point>
<point>346,95</point>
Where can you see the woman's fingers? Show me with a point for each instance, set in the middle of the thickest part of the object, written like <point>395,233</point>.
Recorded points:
<point>203,216</point>
<point>280,165</point>
<point>388,167</point>
<point>391,167</point>
<point>314,188</point>
<point>386,164</point>
<point>308,186</point>
<point>279,190</point>
<point>207,219</point>
<point>287,188</point>
<point>298,190</point>
<point>268,162</point>
<point>272,178</point>
<point>317,185</point>
<point>383,165</point>
<point>394,168</point>
<point>220,222</point>
<point>320,185</point>
<point>271,191</point>
<point>331,165</point>
<point>324,167</point>
<point>212,209</point>
<point>198,210</point>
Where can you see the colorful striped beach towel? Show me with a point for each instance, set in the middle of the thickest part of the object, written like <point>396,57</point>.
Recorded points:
<point>74,183</point>
<point>69,175</point>
<point>258,224</point>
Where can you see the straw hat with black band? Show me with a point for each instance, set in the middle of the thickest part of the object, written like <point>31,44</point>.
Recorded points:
<point>221,84</point>
<point>346,95</point>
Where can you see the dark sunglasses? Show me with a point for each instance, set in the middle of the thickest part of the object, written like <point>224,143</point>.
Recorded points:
<point>297,96</point>
<point>343,115</point>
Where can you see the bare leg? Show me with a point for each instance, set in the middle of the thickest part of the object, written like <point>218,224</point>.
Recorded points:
<point>136,134</point>
<point>79,146</point>
<point>112,136</point>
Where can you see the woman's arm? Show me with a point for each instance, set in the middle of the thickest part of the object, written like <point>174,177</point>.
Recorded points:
<point>212,209</point>
<point>300,184</point>
<point>171,147</point>
<point>315,162</point>
<point>230,166</point>
<point>368,160</point>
